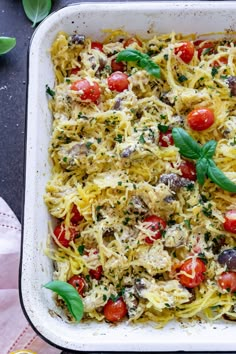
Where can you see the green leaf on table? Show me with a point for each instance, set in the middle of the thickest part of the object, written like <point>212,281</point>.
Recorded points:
<point>219,178</point>
<point>188,147</point>
<point>36,10</point>
<point>142,61</point>
<point>6,44</point>
<point>70,295</point>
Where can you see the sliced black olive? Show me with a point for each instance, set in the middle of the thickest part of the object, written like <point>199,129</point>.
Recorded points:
<point>228,258</point>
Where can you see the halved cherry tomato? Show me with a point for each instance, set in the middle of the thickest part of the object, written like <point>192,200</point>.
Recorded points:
<point>195,268</point>
<point>185,51</point>
<point>230,221</point>
<point>221,60</point>
<point>202,45</point>
<point>131,40</point>
<point>96,273</point>
<point>76,216</point>
<point>60,233</point>
<point>97,45</point>
<point>117,66</point>
<point>118,81</point>
<point>166,139</point>
<point>200,119</point>
<point>86,90</point>
<point>75,71</point>
<point>188,170</point>
<point>156,224</point>
<point>227,280</point>
<point>115,310</point>
<point>78,283</point>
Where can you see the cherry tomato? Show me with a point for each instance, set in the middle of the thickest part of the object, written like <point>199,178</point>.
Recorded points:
<point>227,280</point>
<point>188,170</point>
<point>195,268</point>
<point>221,60</point>
<point>118,81</point>
<point>166,139</point>
<point>76,216</point>
<point>202,45</point>
<point>60,233</point>
<point>78,283</point>
<point>185,51</point>
<point>97,45</point>
<point>87,90</point>
<point>200,119</point>
<point>230,221</point>
<point>75,71</point>
<point>131,40</point>
<point>96,273</point>
<point>115,310</point>
<point>156,224</point>
<point>117,66</point>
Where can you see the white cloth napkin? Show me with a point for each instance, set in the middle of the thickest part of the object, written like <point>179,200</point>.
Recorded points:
<point>15,332</point>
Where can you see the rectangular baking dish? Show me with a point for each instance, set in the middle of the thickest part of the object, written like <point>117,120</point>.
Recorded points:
<point>143,18</point>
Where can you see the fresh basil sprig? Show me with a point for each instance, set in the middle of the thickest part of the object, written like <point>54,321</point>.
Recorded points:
<point>6,44</point>
<point>205,166</point>
<point>142,61</point>
<point>36,10</point>
<point>70,296</point>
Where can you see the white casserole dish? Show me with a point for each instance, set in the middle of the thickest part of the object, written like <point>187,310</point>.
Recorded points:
<point>144,18</point>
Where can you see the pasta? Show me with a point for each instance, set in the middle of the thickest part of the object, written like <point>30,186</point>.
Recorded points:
<point>134,225</point>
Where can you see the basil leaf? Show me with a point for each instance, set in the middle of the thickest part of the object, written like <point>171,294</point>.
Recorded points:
<point>188,147</point>
<point>6,44</point>
<point>219,178</point>
<point>70,296</point>
<point>163,128</point>
<point>208,149</point>
<point>201,168</point>
<point>36,10</point>
<point>142,60</point>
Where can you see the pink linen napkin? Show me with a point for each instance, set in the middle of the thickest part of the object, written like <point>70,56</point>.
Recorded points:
<point>15,332</point>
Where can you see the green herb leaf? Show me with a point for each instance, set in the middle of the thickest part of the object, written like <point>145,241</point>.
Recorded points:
<point>208,150</point>
<point>219,178</point>
<point>81,249</point>
<point>142,60</point>
<point>163,128</point>
<point>182,78</point>
<point>6,44</point>
<point>49,91</point>
<point>118,138</point>
<point>36,10</point>
<point>141,139</point>
<point>70,296</point>
<point>187,145</point>
<point>214,71</point>
<point>201,168</point>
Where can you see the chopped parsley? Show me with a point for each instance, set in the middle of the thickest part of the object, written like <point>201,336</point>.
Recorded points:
<point>118,138</point>
<point>141,139</point>
<point>81,249</point>
<point>49,91</point>
<point>182,78</point>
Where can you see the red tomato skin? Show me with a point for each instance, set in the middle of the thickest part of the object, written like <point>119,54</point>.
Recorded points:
<point>189,266</point>
<point>96,273</point>
<point>227,280</point>
<point>115,311</point>
<point>88,91</point>
<point>230,221</point>
<point>97,45</point>
<point>188,170</point>
<point>166,139</point>
<point>60,233</point>
<point>78,283</point>
<point>157,224</point>
<point>131,40</point>
<point>117,66</point>
<point>74,71</point>
<point>185,51</point>
<point>200,119</point>
<point>202,46</point>
<point>222,60</point>
<point>118,81</point>
<point>76,216</point>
